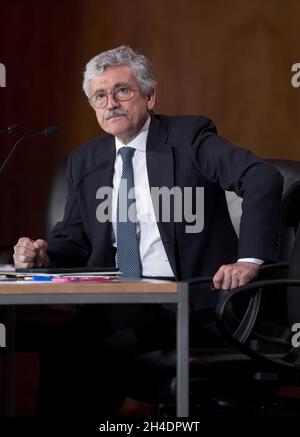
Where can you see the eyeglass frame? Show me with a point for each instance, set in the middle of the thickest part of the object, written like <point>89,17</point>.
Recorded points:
<point>113,93</point>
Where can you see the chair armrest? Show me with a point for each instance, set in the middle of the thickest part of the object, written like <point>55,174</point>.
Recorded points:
<point>267,271</point>
<point>280,265</point>
<point>239,337</point>
<point>200,280</point>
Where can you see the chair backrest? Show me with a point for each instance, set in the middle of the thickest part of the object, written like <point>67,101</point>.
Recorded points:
<point>290,171</point>
<point>291,218</point>
<point>293,293</point>
<point>57,197</point>
<point>282,304</point>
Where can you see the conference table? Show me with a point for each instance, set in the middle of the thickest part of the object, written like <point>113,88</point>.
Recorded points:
<point>113,291</point>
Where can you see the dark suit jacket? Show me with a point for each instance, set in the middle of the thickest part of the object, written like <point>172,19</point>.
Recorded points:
<point>183,151</point>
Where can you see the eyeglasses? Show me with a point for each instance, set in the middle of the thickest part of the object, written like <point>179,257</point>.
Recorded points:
<point>122,93</point>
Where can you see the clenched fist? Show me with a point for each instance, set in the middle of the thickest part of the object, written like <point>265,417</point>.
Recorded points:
<point>29,253</point>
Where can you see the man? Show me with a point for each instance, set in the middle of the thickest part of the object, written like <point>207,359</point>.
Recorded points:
<point>181,152</point>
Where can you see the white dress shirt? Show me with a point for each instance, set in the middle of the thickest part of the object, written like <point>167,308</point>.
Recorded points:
<point>153,255</point>
<point>152,252</point>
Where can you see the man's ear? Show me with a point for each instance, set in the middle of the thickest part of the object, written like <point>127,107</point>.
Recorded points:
<point>151,100</point>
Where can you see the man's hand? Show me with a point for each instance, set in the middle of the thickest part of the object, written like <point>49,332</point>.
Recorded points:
<point>235,275</point>
<point>29,253</point>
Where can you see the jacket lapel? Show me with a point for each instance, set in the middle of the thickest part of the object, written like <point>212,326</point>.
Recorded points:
<point>99,173</point>
<point>103,162</point>
<point>160,166</point>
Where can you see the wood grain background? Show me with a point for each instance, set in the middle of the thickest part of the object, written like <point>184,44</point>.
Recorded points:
<point>230,60</point>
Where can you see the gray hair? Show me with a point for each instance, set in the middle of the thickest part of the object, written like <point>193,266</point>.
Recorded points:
<point>122,55</point>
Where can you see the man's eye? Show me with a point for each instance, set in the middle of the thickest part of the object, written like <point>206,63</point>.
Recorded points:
<point>99,96</point>
<point>123,91</point>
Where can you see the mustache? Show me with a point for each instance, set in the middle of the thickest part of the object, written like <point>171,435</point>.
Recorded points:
<point>115,113</point>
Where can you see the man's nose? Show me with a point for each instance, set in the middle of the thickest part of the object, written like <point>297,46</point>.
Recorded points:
<point>111,101</point>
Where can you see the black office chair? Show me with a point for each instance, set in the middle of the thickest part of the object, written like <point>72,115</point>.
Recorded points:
<point>277,374</point>
<point>224,380</point>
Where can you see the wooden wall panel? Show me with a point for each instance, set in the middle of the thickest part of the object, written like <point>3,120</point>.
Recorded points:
<point>230,60</point>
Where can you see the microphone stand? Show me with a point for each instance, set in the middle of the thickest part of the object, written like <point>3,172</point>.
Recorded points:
<point>14,147</point>
<point>12,129</point>
<point>49,131</point>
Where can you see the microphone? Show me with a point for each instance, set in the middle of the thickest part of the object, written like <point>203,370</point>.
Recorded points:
<point>12,129</point>
<point>49,131</point>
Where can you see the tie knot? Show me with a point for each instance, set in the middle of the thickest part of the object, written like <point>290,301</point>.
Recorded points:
<point>126,154</point>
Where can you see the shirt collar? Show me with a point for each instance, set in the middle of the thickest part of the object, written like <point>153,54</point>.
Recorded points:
<point>139,141</point>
